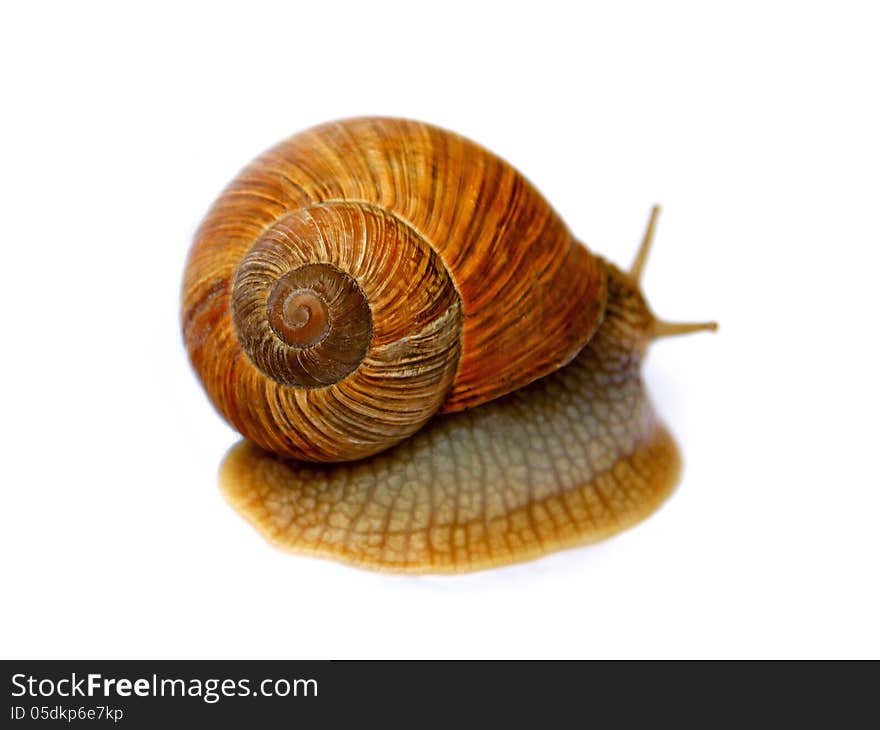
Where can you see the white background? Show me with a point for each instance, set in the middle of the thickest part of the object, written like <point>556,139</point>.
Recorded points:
<point>757,126</point>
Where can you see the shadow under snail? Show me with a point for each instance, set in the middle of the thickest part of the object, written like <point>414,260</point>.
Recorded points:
<point>430,372</point>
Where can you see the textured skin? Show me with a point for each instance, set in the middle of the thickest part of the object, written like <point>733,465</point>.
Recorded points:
<point>573,458</point>
<point>530,295</point>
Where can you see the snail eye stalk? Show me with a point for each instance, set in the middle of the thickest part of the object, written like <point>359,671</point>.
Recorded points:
<point>661,328</point>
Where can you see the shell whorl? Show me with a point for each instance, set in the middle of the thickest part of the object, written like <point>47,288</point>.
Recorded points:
<point>312,329</point>
<point>365,274</point>
<point>384,353</point>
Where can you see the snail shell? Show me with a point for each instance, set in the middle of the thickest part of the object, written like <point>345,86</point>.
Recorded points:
<point>365,274</point>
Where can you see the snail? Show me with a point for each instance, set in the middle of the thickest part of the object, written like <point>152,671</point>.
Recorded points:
<point>430,372</point>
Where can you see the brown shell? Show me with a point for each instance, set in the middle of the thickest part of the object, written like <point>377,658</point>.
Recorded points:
<point>392,204</point>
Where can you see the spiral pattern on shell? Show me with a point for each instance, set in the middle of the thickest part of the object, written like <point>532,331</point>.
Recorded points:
<point>363,275</point>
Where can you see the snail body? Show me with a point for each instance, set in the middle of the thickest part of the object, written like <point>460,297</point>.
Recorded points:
<point>367,276</point>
